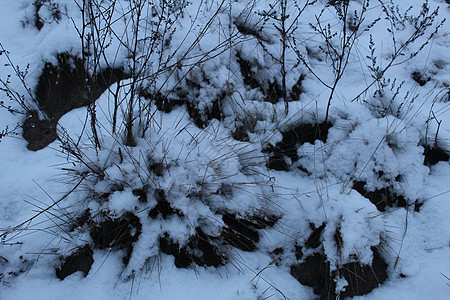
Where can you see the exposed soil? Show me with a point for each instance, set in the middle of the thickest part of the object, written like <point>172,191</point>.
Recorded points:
<point>274,93</point>
<point>248,29</point>
<point>205,250</point>
<point>202,118</point>
<point>187,96</point>
<point>116,187</point>
<point>141,194</point>
<point>163,207</point>
<point>201,250</point>
<point>211,256</point>
<point>381,198</point>
<point>433,155</point>
<point>81,260</point>
<point>271,89</point>
<point>314,271</point>
<point>314,239</point>
<point>162,102</point>
<point>297,89</point>
<point>298,251</point>
<point>292,139</point>
<point>240,134</point>
<point>239,233</point>
<point>243,233</point>
<point>363,279</point>
<point>81,220</point>
<point>53,10</point>
<point>337,237</point>
<point>248,75</point>
<point>420,78</point>
<point>68,85</point>
<point>183,258</point>
<point>157,168</point>
<point>417,205</point>
<point>60,89</point>
<point>39,133</point>
<point>262,220</point>
<point>118,233</point>
<point>276,160</point>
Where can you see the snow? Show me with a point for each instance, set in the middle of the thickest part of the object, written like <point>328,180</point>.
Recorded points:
<point>376,138</point>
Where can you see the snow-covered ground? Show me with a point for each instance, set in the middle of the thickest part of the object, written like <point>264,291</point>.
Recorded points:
<point>223,191</point>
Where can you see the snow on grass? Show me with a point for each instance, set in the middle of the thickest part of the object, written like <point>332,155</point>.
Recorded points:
<point>187,161</point>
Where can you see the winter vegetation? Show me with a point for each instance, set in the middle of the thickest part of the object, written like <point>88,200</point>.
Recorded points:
<point>224,149</point>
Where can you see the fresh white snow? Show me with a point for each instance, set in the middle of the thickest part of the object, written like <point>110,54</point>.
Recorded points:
<point>207,172</point>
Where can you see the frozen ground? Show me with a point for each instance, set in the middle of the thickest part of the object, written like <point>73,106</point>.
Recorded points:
<point>220,150</point>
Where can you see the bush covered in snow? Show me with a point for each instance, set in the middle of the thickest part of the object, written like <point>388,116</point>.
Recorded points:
<point>240,149</point>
